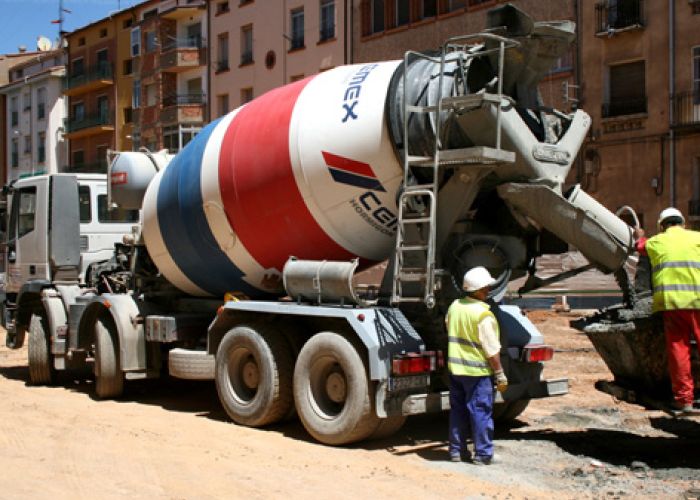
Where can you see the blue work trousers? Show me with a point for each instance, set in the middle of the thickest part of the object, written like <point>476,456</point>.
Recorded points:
<point>471,408</point>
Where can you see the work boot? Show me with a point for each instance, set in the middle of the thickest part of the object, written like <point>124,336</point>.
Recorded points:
<point>682,407</point>
<point>482,460</point>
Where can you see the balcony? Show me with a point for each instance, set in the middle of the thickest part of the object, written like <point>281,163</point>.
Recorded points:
<point>181,9</point>
<point>94,78</point>
<point>95,167</point>
<point>183,108</point>
<point>686,110</point>
<point>88,125</point>
<point>614,16</point>
<point>624,107</point>
<point>181,54</point>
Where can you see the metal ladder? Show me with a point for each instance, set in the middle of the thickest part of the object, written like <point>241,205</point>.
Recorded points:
<point>417,203</point>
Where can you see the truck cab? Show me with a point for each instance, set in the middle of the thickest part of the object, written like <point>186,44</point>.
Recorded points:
<point>43,241</point>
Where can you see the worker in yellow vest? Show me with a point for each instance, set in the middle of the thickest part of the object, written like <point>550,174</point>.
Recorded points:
<point>674,254</point>
<point>473,358</point>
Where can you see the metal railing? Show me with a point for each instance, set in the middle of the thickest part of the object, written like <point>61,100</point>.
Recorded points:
<point>686,109</point>
<point>15,160</point>
<point>624,107</point>
<point>182,99</point>
<point>327,31</point>
<point>619,14</point>
<point>190,42</point>
<point>297,42</point>
<point>95,120</point>
<point>222,65</point>
<point>98,72</point>
<point>247,57</point>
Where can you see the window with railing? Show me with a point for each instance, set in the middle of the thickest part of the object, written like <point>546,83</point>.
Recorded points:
<point>626,90</point>
<point>614,15</point>
<point>14,111</point>
<point>297,28</point>
<point>41,147</point>
<point>222,49</point>
<point>222,8</point>
<point>14,156</point>
<point>403,12</point>
<point>327,20</point>
<point>41,103</point>
<point>183,99</point>
<point>247,44</point>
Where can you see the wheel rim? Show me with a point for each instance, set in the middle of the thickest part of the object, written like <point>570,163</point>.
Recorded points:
<point>328,387</point>
<point>243,375</point>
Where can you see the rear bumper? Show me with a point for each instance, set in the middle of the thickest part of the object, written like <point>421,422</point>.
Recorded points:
<point>415,404</point>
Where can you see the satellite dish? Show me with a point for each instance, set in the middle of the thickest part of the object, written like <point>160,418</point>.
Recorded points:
<point>43,44</point>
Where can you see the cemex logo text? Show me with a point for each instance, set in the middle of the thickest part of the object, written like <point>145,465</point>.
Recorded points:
<point>352,93</point>
<point>352,172</point>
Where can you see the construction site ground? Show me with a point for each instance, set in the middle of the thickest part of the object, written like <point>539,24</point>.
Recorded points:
<point>171,439</point>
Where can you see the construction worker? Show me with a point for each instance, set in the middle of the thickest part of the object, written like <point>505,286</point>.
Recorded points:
<point>473,357</point>
<point>674,254</point>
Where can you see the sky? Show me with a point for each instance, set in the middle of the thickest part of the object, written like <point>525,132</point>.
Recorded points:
<point>23,21</point>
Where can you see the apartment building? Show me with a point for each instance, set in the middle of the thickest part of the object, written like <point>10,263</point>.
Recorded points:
<point>34,116</point>
<point>258,45</point>
<point>386,29</point>
<point>641,61</point>
<point>170,79</point>
<point>6,62</point>
<point>92,66</point>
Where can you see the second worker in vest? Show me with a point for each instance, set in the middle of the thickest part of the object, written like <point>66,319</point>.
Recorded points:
<point>473,358</point>
<point>674,254</point>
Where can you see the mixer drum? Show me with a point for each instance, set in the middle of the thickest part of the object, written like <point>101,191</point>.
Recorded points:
<point>307,169</point>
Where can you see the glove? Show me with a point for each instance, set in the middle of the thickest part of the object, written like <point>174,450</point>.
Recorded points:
<point>501,381</point>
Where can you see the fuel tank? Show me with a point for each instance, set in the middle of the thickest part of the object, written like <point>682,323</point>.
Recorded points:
<point>307,170</point>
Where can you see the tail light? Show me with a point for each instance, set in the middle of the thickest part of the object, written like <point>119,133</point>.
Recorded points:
<point>416,362</point>
<point>537,353</point>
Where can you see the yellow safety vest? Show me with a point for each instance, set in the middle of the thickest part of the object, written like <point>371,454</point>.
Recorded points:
<point>675,269</point>
<point>465,356</point>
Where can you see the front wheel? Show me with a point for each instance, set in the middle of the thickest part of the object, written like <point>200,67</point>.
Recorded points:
<point>41,370</point>
<point>109,377</point>
<point>332,391</point>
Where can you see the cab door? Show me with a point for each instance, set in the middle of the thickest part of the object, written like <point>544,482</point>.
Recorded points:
<point>27,247</point>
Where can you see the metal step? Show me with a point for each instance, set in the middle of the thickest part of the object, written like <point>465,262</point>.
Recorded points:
<point>476,155</point>
<point>417,220</point>
<point>469,102</point>
<point>411,277</point>
<point>412,248</point>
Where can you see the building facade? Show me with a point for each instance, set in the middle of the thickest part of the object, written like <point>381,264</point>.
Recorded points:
<point>257,45</point>
<point>34,116</point>
<point>641,61</point>
<point>386,29</point>
<point>170,78</point>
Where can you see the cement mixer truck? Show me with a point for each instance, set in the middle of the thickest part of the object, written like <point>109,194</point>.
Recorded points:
<point>242,267</point>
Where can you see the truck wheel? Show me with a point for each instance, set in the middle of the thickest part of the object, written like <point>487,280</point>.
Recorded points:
<point>504,412</point>
<point>332,391</point>
<point>41,370</point>
<point>254,376</point>
<point>388,427</point>
<point>109,377</point>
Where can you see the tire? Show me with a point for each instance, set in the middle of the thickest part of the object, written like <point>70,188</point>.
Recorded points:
<point>253,376</point>
<point>505,412</point>
<point>332,391</point>
<point>41,370</point>
<point>191,365</point>
<point>109,377</point>
<point>388,427</point>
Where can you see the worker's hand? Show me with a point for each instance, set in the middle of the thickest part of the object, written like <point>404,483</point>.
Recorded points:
<point>638,233</point>
<point>501,381</point>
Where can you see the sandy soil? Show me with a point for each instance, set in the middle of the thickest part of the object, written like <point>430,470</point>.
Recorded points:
<point>170,439</point>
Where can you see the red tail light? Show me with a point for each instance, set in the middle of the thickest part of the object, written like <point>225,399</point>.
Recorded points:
<point>416,362</point>
<point>537,353</point>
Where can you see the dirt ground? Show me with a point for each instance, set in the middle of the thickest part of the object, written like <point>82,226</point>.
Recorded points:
<point>171,439</point>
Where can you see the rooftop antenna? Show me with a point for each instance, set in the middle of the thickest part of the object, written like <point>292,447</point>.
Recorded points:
<point>59,21</point>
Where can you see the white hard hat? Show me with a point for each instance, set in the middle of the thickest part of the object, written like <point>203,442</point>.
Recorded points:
<point>476,279</point>
<point>670,212</point>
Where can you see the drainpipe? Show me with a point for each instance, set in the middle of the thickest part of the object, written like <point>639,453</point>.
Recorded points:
<point>672,92</point>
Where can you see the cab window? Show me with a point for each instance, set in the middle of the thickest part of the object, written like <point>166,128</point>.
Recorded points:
<point>104,214</point>
<point>26,211</point>
<point>85,204</point>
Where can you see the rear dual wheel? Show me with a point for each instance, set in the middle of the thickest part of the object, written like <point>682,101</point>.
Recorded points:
<point>253,376</point>
<point>332,391</point>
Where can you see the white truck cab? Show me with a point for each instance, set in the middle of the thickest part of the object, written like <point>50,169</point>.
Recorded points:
<point>29,229</point>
